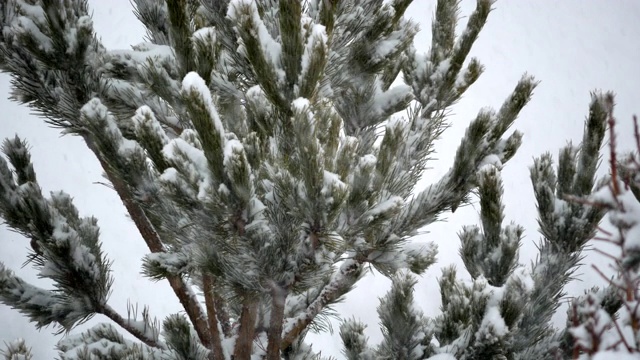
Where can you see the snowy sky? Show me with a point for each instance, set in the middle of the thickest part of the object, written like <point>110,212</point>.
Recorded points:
<point>571,46</point>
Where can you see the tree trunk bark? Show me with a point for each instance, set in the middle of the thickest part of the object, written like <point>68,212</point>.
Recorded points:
<point>244,342</point>
<point>278,298</point>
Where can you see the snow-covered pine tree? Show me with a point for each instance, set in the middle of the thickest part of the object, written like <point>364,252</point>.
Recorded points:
<point>605,324</point>
<point>255,146</point>
<point>505,312</point>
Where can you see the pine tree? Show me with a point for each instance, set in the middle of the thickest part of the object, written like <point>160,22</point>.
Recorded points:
<point>258,148</point>
<point>606,323</point>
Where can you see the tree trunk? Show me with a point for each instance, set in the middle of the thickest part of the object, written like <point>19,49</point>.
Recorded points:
<point>244,342</point>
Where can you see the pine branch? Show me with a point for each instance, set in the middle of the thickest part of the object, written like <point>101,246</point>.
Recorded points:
<point>214,331</point>
<point>153,15</point>
<point>437,79</point>
<point>17,350</point>
<point>142,77</point>
<point>291,31</point>
<point>181,338</point>
<point>191,306</point>
<point>338,286</point>
<point>354,341</point>
<point>482,144</point>
<point>103,342</point>
<point>139,334</point>
<point>404,328</point>
<point>594,132</point>
<point>565,226</point>
<point>259,48</point>
<point>443,29</point>
<point>180,34</point>
<point>39,305</point>
<point>78,86</point>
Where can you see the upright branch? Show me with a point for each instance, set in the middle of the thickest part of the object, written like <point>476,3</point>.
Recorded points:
<point>61,88</point>
<point>565,225</point>
<point>212,317</point>
<point>268,153</point>
<point>607,321</point>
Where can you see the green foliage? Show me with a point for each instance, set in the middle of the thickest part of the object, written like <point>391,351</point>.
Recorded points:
<point>268,157</point>
<point>17,349</point>
<point>406,332</point>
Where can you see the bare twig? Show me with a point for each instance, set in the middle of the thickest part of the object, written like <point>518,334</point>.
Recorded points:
<point>605,240</point>
<point>604,253</point>
<point>621,335</point>
<point>602,274</point>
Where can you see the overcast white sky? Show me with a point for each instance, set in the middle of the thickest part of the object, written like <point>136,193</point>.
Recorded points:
<point>571,46</point>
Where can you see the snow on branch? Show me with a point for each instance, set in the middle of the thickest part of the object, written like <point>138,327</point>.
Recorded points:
<point>341,282</point>
<point>256,146</point>
<point>66,247</point>
<point>43,307</point>
<point>103,341</point>
<point>207,122</point>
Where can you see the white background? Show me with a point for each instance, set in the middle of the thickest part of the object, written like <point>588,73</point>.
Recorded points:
<point>571,46</point>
